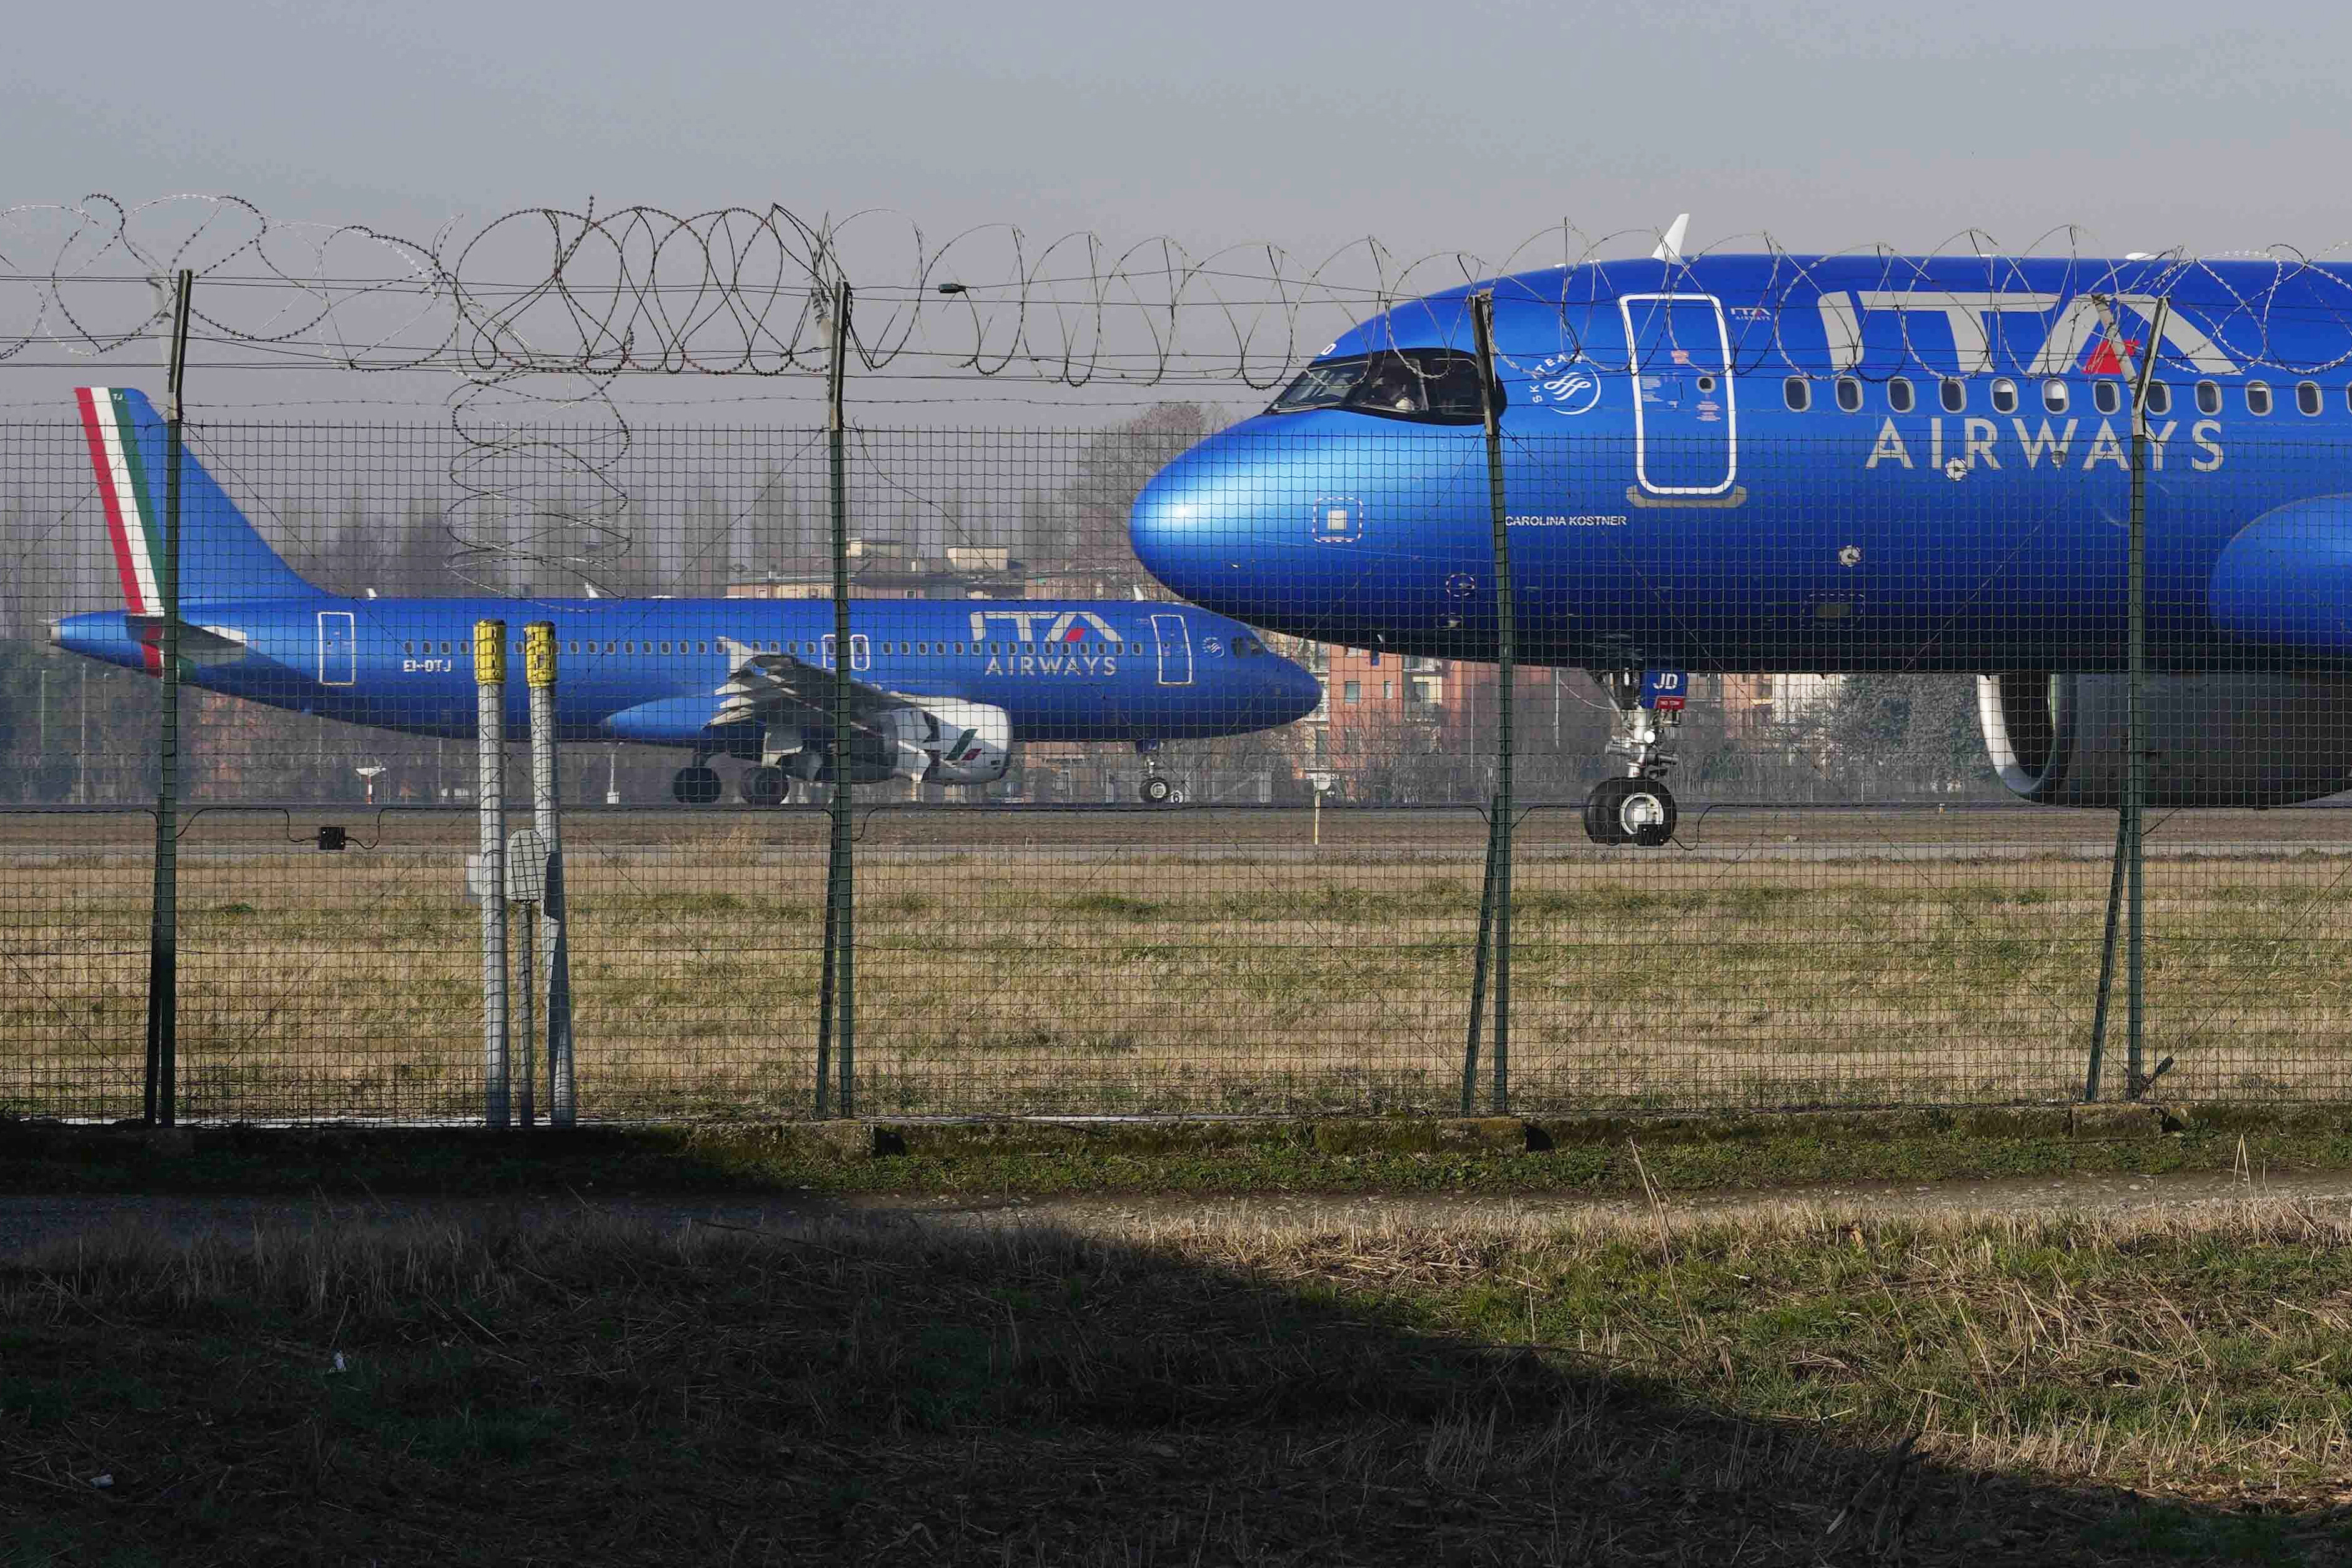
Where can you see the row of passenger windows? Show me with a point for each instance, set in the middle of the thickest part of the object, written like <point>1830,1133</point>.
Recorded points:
<point>811,650</point>
<point>2106,396</point>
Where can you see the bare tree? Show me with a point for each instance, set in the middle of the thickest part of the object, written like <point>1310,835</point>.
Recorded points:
<point>1112,469</point>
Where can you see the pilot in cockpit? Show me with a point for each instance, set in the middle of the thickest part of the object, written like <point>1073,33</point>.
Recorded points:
<point>1393,386</point>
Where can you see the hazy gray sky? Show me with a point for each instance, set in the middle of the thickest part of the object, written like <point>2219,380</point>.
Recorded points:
<point>1433,126</point>
<point>1829,124</point>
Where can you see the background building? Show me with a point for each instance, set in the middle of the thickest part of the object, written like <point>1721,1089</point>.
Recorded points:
<point>891,569</point>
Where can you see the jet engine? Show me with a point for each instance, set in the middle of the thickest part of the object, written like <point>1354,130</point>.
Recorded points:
<point>970,742</point>
<point>944,741</point>
<point>872,759</point>
<point>2237,739</point>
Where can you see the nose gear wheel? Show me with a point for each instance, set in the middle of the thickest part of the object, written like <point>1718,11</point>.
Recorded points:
<point>1630,811</point>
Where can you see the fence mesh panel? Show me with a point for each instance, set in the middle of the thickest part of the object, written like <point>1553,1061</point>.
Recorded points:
<point>1260,908</point>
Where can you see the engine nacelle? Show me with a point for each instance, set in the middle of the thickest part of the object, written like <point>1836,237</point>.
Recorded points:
<point>872,759</point>
<point>2215,739</point>
<point>970,743</point>
<point>945,741</point>
<point>782,745</point>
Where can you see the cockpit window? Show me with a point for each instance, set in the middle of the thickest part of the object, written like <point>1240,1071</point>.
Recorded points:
<point>1322,386</point>
<point>1435,385</point>
<point>1245,646</point>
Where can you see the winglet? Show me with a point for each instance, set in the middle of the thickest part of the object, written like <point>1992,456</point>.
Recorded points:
<point>1670,244</point>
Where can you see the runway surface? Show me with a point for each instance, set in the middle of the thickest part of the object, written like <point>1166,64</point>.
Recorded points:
<point>1271,835</point>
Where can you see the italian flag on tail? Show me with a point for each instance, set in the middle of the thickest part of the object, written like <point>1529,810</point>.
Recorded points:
<point>223,557</point>
<point>133,512</point>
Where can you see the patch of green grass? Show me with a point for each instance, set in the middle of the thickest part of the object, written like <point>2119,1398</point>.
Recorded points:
<point>1758,1154</point>
<point>1114,906</point>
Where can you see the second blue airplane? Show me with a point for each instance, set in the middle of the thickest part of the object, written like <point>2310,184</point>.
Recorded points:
<point>940,690</point>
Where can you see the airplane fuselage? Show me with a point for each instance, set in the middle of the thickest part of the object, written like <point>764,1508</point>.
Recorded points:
<point>649,670</point>
<point>1774,463</point>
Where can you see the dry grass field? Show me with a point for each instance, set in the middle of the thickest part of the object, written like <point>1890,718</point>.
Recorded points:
<point>1802,1387</point>
<point>1211,961</point>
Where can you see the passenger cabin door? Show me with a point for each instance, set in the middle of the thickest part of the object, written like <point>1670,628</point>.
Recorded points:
<point>1175,640</point>
<point>338,649</point>
<point>1685,426</point>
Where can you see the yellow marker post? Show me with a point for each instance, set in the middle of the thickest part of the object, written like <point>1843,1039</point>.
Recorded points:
<point>539,655</point>
<point>490,653</point>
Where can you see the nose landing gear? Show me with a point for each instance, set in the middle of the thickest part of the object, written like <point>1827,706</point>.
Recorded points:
<point>1636,808</point>
<point>1155,790</point>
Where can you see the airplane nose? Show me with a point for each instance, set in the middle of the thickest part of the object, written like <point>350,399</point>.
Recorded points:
<point>1266,526</point>
<point>1169,530</point>
<point>1296,692</point>
<point>1198,526</point>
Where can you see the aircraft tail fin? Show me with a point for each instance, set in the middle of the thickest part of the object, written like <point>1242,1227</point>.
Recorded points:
<point>222,554</point>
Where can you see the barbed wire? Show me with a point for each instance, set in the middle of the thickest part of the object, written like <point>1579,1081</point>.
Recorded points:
<point>739,291</point>
<point>545,308</point>
<point>731,291</point>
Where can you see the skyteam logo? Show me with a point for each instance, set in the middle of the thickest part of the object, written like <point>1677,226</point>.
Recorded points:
<point>1565,386</point>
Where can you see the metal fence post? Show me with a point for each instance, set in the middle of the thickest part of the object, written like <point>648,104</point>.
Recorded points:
<point>1495,900</point>
<point>837,987</point>
<point>2126,879</point>
<point>163,924</point>
<point>554,936</point>
<point>491,724</point>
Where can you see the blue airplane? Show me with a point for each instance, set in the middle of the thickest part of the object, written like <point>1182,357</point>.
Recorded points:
<point>1751,463</point>
<point>942,690</point>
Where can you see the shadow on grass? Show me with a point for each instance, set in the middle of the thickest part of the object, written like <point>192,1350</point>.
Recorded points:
<point>837,1389</point>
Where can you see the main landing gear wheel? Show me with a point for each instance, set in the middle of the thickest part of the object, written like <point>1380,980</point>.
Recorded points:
<point>762,786</point>
<point>696,785</point>
<point>1158,791</point>
<point>1630,811</point>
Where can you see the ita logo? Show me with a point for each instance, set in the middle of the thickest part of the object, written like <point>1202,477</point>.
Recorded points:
<point>1565,386</point>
